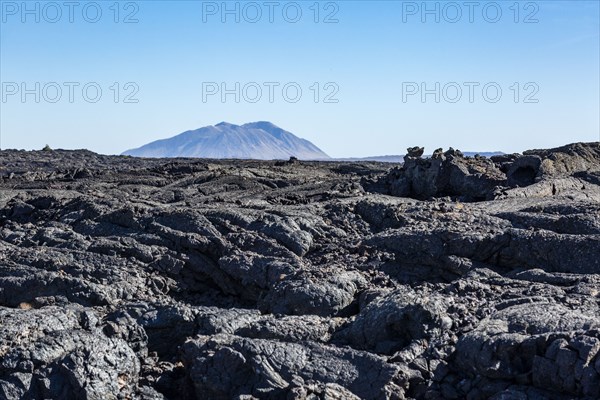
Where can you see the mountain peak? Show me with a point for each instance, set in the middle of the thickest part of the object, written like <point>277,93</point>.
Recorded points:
<point>260,140</point>
<point>261,125</point>
<point>225,124</point>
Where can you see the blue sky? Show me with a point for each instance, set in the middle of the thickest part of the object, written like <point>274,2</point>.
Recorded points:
<point>544,59</point>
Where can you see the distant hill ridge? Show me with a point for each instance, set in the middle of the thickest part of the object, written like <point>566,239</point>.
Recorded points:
<point>400,158</point>
<point>257,140</point>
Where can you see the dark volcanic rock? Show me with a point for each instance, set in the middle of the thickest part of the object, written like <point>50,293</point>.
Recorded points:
<point>391,322</point>
<point>546,345</point>
<point>224,367</point>
<point>445,278</point>
<point>478,178</point>
<point>444,174</point>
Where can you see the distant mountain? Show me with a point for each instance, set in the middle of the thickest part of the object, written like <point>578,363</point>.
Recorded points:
<point>257,140</point>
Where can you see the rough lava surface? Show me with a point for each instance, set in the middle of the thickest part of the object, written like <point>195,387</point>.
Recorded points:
<point>449,277</point>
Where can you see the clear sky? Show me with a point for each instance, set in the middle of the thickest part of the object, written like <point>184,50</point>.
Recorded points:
<point>369,72</point>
